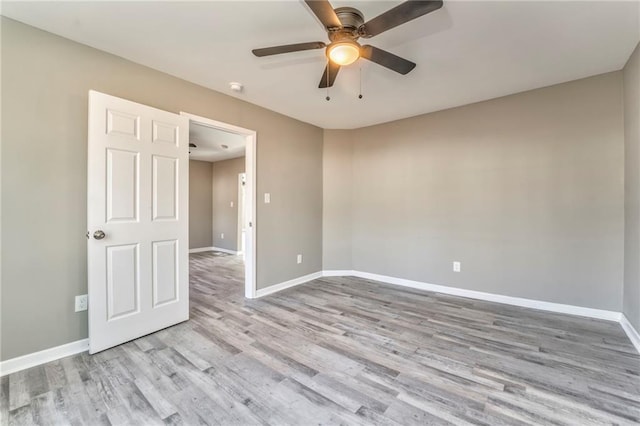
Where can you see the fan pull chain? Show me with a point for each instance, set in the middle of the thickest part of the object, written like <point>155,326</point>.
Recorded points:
<point>360,95</point>
<point>328,98</point>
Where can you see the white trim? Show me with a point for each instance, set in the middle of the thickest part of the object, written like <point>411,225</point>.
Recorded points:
<point>618,317</point>
<point>201,249</point>
<point>339,273</point>
<point>250,250</point>
<point>288,284</point>
<point>632,333</point>
<point>31,360</point>
<point>478,295</point>
<point>497,298</point>
<point>235,253</point>
<point>251,217</point>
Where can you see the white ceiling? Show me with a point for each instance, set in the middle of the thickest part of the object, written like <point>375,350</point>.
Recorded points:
<point>209,143</point>
<point>466,52</point>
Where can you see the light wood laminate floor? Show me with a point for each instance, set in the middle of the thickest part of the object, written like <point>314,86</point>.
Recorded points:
<point>340,351</point>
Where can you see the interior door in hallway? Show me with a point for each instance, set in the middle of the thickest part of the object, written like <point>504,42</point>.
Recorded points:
<point>137,220</point>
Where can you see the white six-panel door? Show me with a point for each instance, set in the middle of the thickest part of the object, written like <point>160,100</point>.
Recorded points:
<point>138,199</point>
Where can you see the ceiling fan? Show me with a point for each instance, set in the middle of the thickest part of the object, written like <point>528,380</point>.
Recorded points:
<point>345,25</point>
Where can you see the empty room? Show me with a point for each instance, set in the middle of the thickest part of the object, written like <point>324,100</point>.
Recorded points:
<point>320,212</point>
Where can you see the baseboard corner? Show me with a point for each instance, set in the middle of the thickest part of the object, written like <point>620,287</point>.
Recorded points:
<point>288,284</point>
<point>630,330</point>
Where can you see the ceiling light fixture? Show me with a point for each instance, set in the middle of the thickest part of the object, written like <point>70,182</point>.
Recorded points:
<point>343,52</point>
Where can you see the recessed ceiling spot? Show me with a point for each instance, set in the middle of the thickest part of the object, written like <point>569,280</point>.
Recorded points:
<point>225,146</point>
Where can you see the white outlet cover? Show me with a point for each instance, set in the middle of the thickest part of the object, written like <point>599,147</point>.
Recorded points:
<point>456,266</point>
<point>81,303</point>
<point>231,204</point>
<point>299,258</point>
<point>222,236</point>
<point>267,198</point>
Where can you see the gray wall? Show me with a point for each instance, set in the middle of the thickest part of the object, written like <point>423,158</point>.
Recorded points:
<point>526,191</point>
<point>632,189</point>
<point>225,191</point>
<point>337,199</point>
<point>45,84</point>
<point>200,203</point>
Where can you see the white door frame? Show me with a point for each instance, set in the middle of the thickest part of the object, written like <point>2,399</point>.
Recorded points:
<point>242,202</point>
<point>250,170</point>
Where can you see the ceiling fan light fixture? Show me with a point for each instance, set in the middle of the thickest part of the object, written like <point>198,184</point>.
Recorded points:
<point>343,52</point>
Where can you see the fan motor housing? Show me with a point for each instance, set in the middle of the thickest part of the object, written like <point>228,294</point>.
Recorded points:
<point>351,20</point>
<point>350,17</point>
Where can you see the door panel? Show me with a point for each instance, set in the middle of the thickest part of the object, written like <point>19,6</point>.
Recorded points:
<point>123,281</point>
<point>138,172</point>
<point>165,188</point>
<point>123,181</point>
<point>165,272</point>
<point>121,123</point>
<point>165,133</point>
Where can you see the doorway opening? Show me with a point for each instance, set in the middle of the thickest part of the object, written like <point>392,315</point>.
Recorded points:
<point>225,155</point>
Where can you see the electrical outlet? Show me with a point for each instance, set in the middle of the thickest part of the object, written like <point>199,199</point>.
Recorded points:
<point>231,203</point>
<point>456,266</point>
<point>81,303</point>
<point>299,258</point>
<point>222,236</point>
<point>267,198</point>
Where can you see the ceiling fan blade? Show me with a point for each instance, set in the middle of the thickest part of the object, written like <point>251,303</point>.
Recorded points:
<point>386,59</point>
<point>325,13</point>
<point>332,69</point>
<point>287,48</point>
<point>404,12</point>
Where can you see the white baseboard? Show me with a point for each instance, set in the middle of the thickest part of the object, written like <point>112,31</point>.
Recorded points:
<point>31,360</point>
<point>491,297</point>
<point>339,273</point>
<point>632,333</point>
<point>200,250</point>
<point>288,284</point>
<point>223,250</point>
<point>618,317</point>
